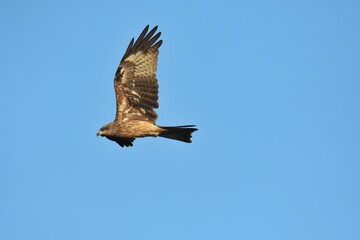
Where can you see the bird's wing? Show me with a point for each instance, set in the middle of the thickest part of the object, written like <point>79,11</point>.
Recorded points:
<point>123,142</point>
<point>136,86</point>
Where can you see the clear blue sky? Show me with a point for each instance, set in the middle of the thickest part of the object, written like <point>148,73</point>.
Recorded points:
<point>274,87</point>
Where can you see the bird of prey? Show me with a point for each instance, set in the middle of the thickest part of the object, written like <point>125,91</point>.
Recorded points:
<point>136,91</point>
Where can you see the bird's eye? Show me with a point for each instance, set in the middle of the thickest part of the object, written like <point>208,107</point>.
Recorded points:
<point>104,128</point>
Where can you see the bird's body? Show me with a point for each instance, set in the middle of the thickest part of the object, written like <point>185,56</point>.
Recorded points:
<point>133,129</point>
<point>136,90</point>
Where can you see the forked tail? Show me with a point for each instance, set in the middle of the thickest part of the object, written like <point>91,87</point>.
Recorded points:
<point>180,133</point>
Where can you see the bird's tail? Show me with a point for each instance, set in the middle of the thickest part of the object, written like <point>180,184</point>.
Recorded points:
<point>180,133</point>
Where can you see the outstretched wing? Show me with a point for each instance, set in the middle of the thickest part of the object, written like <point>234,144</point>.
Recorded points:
<point>136,86</point>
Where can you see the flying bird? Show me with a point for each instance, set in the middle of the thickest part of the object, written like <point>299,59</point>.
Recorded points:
<point>136,91</point>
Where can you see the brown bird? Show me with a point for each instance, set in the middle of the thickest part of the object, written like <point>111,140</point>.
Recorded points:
<point>136,90</point>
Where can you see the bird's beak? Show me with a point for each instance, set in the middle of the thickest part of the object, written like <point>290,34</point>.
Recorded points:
<point>98,134</point>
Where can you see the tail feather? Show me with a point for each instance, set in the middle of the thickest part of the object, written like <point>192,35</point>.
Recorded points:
<point>180,133</point>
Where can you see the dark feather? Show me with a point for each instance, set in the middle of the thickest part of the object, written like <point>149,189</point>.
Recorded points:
<point>148,36</point>
<point>140,38</point>
<point>143,42</point>
<point>149,43</point>
<point>123,142</point>
<point>127,52</point>
<point>180,133</point>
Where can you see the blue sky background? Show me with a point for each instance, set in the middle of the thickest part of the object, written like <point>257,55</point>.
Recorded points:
<point>272,85</point>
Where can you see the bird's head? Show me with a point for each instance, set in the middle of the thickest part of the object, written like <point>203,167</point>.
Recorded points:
<point>105,130</point>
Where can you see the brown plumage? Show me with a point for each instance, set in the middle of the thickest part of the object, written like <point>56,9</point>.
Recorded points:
<point>136,90</point>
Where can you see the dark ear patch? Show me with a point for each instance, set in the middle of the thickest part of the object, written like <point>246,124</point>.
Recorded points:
<point>123,142</point>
